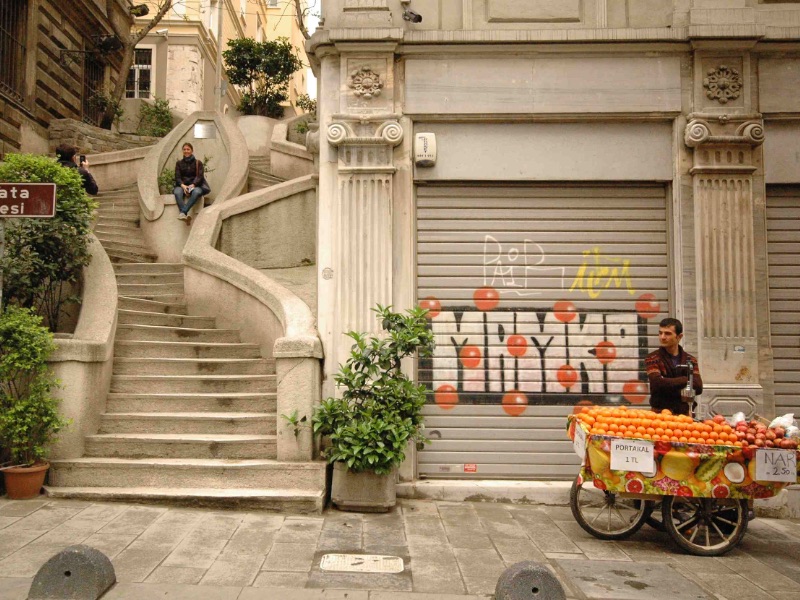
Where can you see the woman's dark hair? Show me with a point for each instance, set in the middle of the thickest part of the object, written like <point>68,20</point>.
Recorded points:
<point>66,151</point>
<point>188,144</point>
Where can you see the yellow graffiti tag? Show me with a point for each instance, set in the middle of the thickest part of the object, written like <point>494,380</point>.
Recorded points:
<point>598,272</point>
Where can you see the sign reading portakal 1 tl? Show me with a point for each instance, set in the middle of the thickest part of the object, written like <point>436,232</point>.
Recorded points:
<point>27,200</point>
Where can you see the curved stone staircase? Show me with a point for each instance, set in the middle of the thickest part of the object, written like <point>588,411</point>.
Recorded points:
<point>258,175</point>
<point>191,414</point>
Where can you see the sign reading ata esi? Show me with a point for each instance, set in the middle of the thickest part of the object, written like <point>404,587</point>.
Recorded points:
<point>27,200</point>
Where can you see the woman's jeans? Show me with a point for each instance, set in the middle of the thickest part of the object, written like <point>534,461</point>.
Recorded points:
<point>194,196</point>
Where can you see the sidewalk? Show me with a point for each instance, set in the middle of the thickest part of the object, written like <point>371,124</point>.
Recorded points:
<point>450,550</point>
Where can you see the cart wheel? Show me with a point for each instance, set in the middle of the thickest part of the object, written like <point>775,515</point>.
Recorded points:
<point>705,526</point>
<point>605,515</point>
<point>654,514</point>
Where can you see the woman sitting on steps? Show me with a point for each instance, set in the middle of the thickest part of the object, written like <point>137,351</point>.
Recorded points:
<point>190,183</point>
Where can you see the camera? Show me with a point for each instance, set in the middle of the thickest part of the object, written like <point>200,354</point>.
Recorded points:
<point>410,15</point>
<point>82,159</point>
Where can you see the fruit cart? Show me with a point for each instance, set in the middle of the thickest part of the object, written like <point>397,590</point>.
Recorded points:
<point>697,486</point>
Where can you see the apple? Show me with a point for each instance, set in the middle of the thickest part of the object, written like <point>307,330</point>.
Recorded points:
<point>779,432</point>
<point>751,438</point>
<point>770,435</point>
<point>769,444</point>
<point>759,442</point>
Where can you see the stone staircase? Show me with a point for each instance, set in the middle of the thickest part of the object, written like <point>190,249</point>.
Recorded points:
<point>117,226</point>
<point>259,175</point>
<point>191,414</point>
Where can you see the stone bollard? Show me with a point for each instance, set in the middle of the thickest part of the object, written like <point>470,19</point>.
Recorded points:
<point>528,580</point>
<point>76,573</point>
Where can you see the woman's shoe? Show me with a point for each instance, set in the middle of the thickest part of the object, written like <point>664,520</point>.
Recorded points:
<point>182,216</point>
<point>188,219</point>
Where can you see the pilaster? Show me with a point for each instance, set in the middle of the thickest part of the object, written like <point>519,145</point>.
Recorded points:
<point>723,183</point>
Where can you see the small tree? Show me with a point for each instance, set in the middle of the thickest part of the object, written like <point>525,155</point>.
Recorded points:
<point>155,119</point>
<point>263,70</point>
<point>44,258</point>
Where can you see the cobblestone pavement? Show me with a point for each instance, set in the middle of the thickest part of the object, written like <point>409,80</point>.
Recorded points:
<point>450,551</point>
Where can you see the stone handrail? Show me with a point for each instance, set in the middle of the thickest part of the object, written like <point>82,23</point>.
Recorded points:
<point>289,160</point>
<point>83,362</point>
<point>235,180</point>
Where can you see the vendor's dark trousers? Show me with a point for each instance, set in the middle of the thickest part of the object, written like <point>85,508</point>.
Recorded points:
<point>184,204</point>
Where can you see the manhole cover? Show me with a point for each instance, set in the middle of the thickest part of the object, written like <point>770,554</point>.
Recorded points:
<point>361,563</point>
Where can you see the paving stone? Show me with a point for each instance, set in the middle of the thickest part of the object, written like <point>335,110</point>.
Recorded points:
<point>250,539</point>
<point>299,531</point>
<point>12,541</point>
<point>65,536</point>
<point>418,596</point>
<point>600,550</point>
<point>336,541</point>
<point>138,560</point>
<point>757,572</point>
<point>135,519</point>
<point>185,575</point>
<point>44,519</point>
<point>514,550</point>
<point>110,544</point>
<point>284,594</point>
<point>479,564</point>
<point>21,508</point>
<point>281,579</point>
<point>27,561</point>
<point>199,552</point>
<point>233,570</point>
<point>418,507</point>
<point>290,557</point>
<point>264,521</point>
<point>436,572</point>
<point>359,581</point>
<point>15,588</point>
<point>6,521</point>
<point>171,527</point>
<point>142,591</point>
<point>607,580</point>
<point>101,513</point>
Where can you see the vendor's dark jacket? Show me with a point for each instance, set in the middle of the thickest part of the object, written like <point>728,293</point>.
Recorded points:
<point>89,184</point>
<point>666,381</point>
<point>189,171</point>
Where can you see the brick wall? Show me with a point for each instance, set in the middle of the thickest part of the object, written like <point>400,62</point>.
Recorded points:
<point>92,140</point>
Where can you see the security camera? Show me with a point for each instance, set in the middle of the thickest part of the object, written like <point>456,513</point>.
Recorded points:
<point>164,31</point>
<point>410,15</point>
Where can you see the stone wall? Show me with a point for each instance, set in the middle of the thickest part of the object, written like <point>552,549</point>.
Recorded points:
<point>93,140</point>
<point>185,80</point>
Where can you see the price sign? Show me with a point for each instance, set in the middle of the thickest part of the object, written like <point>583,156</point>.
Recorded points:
<point>632,455</point>
<point>579,441</point>
<point>773,464</point>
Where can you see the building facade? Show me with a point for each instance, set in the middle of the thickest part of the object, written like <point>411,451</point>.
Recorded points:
<point>551,179</point>
<point>56,60</point>
<point>282,23</point>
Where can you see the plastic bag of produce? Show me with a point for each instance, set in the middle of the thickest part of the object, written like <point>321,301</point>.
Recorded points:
<point>738,417</point>
<point>792,432</point>
<point>784,421</point>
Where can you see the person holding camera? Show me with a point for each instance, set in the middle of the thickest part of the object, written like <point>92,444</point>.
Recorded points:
<point>68,157</point>
<point>668,370</point>
<point>190,182</point>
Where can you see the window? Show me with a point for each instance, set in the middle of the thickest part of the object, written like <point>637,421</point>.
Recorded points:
<point>13,22</point>
<point>140,77</point>
<point>94,74</point>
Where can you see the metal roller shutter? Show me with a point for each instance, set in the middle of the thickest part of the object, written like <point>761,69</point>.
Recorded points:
<point>783,250</point>
<point>542,297</point>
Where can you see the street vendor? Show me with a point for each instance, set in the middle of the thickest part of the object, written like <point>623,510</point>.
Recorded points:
<point>667,371</point>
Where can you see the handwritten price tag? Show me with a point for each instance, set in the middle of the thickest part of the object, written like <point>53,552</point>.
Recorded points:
<point>773,464</point>
<point>579,441</point>
<point>632,455</point>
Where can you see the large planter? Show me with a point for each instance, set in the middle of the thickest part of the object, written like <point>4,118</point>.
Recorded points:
<point>23,483</point>
<point>362,492</point>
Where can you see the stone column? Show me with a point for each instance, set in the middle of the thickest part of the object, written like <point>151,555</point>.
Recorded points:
<point>722,174</point>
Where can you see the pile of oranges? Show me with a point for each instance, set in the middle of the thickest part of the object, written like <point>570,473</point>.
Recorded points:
<point>657,426</point>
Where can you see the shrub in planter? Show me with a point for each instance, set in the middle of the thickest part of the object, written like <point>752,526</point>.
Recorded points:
<point>29,417</point>
<point>380,409</point>
<point>44,258</point>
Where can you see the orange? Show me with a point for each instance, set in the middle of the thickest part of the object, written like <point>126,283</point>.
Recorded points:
<point>647,436</point>
<point>693,440</point>
<point>683,439</point>
<point>673,439</point>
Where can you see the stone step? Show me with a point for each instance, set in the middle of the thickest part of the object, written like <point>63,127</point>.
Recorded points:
<point>177,423</point>
<point>117,212</point>
<point>117,255</point>
<point>117,229</point>
<point>176,473</point>
<point>132,237</point>
<point>184,445</point>
<point>133,278</point>
<point>152,306</point>
<point>174,403</point>
<point>147,349</point>
<point>288,500</point>
<point>115,221</point>
<point>138,317</point>
<point>123,244</point>
<point>148,268</point>
<point>264,179</point>
<point>156,333</point>
<point>137,290</point>
<point>163,298</point>
<point>177,384</point>
<point>193,366</point>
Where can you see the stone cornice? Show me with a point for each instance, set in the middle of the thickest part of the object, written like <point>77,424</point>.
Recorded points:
<point>342,133</point>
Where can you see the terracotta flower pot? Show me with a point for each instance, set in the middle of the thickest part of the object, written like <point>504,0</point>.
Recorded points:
<point>23,483</point>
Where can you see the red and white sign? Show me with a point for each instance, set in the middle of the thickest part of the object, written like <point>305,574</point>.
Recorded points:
<point>24,200</point>
<point>471,468</point>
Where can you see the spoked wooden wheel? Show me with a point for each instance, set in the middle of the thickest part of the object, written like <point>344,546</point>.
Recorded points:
<point>705,526</point>
<point>605,515</point>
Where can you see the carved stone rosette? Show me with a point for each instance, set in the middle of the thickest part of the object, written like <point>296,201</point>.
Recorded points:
<point>723,84</point>
<point>724,240</point>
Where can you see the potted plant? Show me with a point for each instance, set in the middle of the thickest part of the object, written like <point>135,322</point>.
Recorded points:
<point>29,418</point>
<point>378,413</point>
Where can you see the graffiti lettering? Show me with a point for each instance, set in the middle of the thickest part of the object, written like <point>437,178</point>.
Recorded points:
<point>512,270</point>
<point>598,272</point>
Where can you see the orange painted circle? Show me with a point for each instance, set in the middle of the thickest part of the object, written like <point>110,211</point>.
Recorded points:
<point>565,311</point>
<point>567,376</point>
<point>470,356</point>
<point>606,352</point>
<point>446,397</point>
<point>517,345</point>
<point>635,391</point>
<point>515,403</point>
<point>647,306</point>
<point>486,298</point>
<point>432,305</point>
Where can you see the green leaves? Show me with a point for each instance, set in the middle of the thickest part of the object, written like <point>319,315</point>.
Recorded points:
<point>263,70</point>
<point>155,119</point>
<point>44,254</point>
<point>379,411</point>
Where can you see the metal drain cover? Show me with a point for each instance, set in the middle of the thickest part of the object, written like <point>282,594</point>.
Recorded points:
<point>361,563</point>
